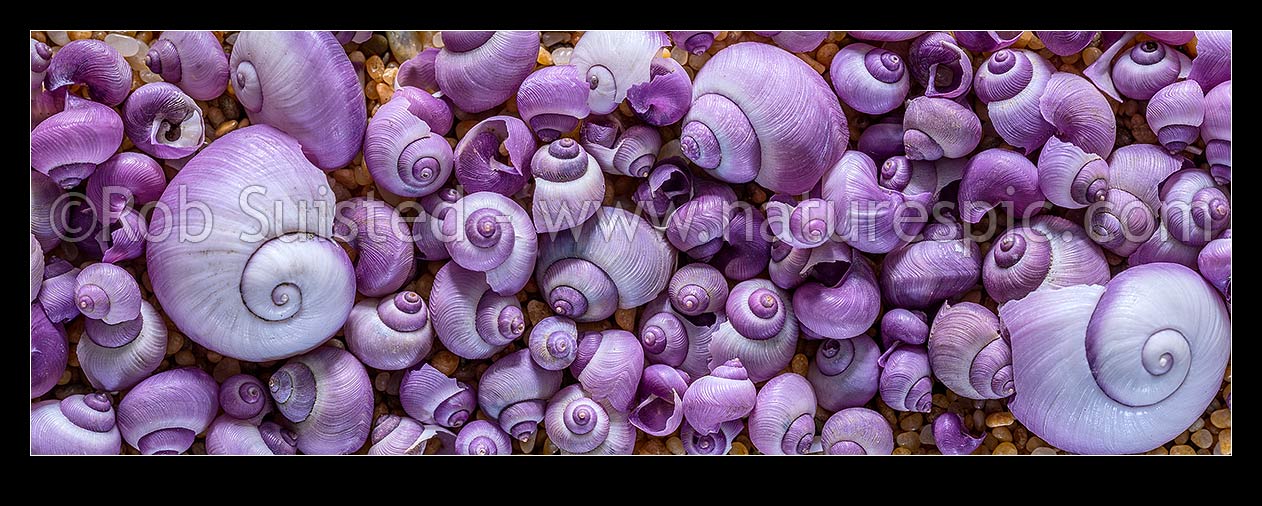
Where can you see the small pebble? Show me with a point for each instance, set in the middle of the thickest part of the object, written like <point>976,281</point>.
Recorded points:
<point>799,364</point>
<point>362,176</point>
<point>910,422</point>
<point>1000,419</point>
<point>909,440</point>
<point>389,75</point>
<point>175,341</point>
<point>1005,448</point>
<point>625,319</point>
<point>926,437</point>
<point>126,46</point>
<point>445,361</point>
<point>1182,438</point>
<point>940,401</point>
<point>1043,450</point>
<point>1221,418</point>
<point>679,54</point>
<point>80,35</point>
<point>654,447</point>
<point>548,39</point>
<point>1020,436</point>
<point>225,127</point>
<point>887,412</point>
<point>1034,44</point>
<point>231,110</point>
<point>824,55</point>
<point>405,45</point>
<point>185,358</point>
<point>58,38</point>
<point>757,195</point>
<point>1182,450</point>
<point>1091,54</point>
<point>1224,442</point>
<point>376,45</point>
<point>1002,434</point>
<point>214,116</point>
<point>902,451</point>
<point>65,377</point>
<point>562,55</point>
<point>1202,438</point>
<point>213,357</point>
<point>149,77</point>
<point>384,92</point>
<point>226,368</point>
<point>1160,450</point>
<point>374,67</point>
<point>1034,443</point>
<point>380,381</point>
<point>738,448</point>
<point>695,61</point>
<point>345,177</point>
<point>1197,425</point>
<point>675,445</point>
<point>545,57</point>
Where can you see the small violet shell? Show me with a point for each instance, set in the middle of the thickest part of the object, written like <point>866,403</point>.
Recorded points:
<point>869,79</point>
<point>553,343</point>
<point>552,100</point>
<point>478,159</point>
<point>945,264</point>
<point>941,65</point>
<point>725,395</point>
<point>905,381</point>
<point>968,354</point>
<point>404,149</point>
<point>97,132</point>
<point>392,333</point>
<point>665,97</point>
<point>952,438</point>
<point>93,63</point>
<point>844,373</point>
<point>480,70</point>
<point>194,61</point>
<point>164,122</point>
<point>433,398</point>
<point>857,431</point>
<point>934,128</point>
<point>783,419</point>
<point>164,413</point>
